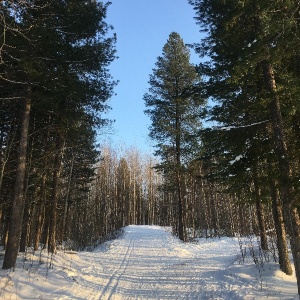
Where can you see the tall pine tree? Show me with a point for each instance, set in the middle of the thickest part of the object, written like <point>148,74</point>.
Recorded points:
<point>174,108</point>
<point>251,45</point>
<point>62,63</point>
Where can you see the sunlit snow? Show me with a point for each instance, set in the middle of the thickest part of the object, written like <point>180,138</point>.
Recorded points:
<point>147,262</point>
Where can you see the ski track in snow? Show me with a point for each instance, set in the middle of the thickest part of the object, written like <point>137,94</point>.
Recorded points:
<point>147,262</point>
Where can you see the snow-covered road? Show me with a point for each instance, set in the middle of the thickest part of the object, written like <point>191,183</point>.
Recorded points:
<point>147,262</point>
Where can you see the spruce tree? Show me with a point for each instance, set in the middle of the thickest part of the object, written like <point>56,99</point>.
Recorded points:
<point>174,108</point>
<point>251,47</point>
<point>61,67</point>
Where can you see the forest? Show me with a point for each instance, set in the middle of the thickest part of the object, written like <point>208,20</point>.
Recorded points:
<point>226,130</point>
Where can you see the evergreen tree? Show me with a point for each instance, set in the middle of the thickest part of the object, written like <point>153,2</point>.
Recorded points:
<point>61,67</point>
<point>250,50</point>
<point>174,108</point>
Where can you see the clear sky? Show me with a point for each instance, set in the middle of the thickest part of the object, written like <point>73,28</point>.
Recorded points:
<point>142,28</point>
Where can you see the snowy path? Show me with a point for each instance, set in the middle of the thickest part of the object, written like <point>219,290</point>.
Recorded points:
<point>147,262</point>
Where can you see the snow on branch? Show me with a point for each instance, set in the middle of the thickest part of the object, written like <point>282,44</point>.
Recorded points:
<point>226,128</point>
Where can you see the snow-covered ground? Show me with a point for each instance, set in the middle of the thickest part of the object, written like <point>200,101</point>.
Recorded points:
<point>147,262</point>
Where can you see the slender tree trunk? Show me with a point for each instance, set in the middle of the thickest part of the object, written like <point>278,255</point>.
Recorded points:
<point>26,217</point>
<point>16,217</point>
<point>284,260</point>
<point>63,229</point>
<point>55,192</point>
<point>260,212</point>
<point>279,136</point>
<point>214,209</point>
<point>291,217</point>
<point>134,216</point>
<point>42,202</point>
<point>179,197</point>
<point>178,173</point>
<point>39,226</point>
<point>45,233</point>
<point>25,227</point>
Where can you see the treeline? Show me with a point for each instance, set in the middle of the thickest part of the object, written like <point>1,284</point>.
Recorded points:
<point>123,192</point>
<point>127,189</point>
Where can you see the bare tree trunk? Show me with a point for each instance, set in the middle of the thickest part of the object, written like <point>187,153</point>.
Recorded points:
<point>292,225</point>
<point>25,227</point>
<point>284,260</point>
<point>42,205</point>
<point>260,212</point>
<point>67,200</point>
<point>39,225</point>
<point>55,191</point>
<point>178,175</point>
<point>26,217</point>
<point>16,217</point>
<point>180,204</point>
<point>45,233</point>
<point>290,213</point>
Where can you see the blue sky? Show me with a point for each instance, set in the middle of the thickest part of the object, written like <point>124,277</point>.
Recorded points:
<point>142,28</point>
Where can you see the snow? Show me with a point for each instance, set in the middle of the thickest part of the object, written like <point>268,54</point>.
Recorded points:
<point>250,44</point>
<point>147,262</point>
<point>227,128</point>
<point>239,157</point>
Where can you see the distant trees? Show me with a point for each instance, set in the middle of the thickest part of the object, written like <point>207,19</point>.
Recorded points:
<point>125,191</point>
<point>174,108</point>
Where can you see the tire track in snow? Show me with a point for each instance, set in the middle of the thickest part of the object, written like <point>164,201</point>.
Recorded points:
<point>148,263</point>
<point>111,287</point>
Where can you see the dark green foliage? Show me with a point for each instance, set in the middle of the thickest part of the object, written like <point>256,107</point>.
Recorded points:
<point>253,47</point>
<point>174,105</point>
<point>241,36</point>
<point>62,50</point>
